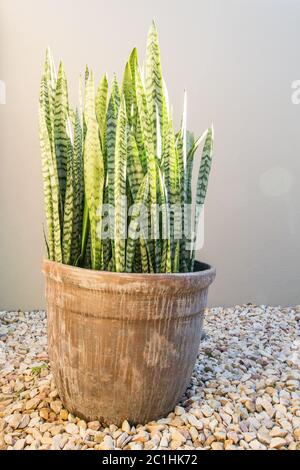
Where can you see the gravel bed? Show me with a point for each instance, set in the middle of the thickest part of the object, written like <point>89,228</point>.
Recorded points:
<point>244,392</point>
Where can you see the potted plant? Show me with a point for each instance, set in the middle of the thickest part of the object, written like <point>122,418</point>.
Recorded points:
<point>125,296</point>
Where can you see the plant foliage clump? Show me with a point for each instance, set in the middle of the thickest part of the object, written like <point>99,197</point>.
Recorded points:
<point>117,177</point>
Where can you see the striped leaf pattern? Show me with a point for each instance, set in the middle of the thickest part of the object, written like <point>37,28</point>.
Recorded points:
<point>111,127</point>
<point>117,177</point>
<point>134,227</point>
<point>60,125</point>
<point>120,190</point>
<point>106,241</point>
<point>46,168</point>
<point>78,188</point>
<point>127,90</point>
<point>154,85</point>
<point>69,200</point>
<point>134,165</point>
<point>93,172</point>
<point>101,105</point>
<point>202,181</point>
<point>49,165</point>
<point>135,119</point>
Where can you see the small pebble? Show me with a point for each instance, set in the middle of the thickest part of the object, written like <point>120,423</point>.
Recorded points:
<point>277,443</point>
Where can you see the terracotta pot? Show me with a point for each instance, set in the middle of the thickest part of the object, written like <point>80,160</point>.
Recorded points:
<point>123,346</point>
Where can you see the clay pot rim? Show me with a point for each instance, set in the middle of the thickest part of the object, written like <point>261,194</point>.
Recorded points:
<point>91,279</point>
<point>206,269</point>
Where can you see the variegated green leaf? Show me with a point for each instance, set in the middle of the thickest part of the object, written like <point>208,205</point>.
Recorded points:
<point>176,261</point>
<point>120,190</point>
<point>189,168</point>
<point>106,241</point>
<point>202,181</point>
<point>134,228</point>
<point>154,86</point>
<point>151,159</point>
<point>146,129</point>
<point>78,182</point>
<point>87,261</point>
<point>137,260</point>
<point>127,90</point>
<point>60,125</point>
<point>165,258</point>
<point>80,260</point>
<point>111,126</point>
<point>69,200</point>
<point>116,91</point>
<point>47,96</point>
<point>134,166</point>
<point>51,175</point>
<point>173,188</point>
<point>86,74</point>
<point>93,172</point>
<point>147,264</point>
<point>135,119</point>
<point>49,165</point>
<point>46,164</point>
<point>49,71</point>
<point>101,106</point>
<point>183,185</point>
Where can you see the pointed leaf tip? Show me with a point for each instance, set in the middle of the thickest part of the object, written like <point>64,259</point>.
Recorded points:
<point>61,67</point>
<point>48,53</point>
<point>133,58</point>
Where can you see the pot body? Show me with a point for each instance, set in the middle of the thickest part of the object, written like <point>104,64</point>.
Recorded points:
<point>123,346</point>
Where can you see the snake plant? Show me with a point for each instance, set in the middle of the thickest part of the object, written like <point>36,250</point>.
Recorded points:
<point>117,177</point>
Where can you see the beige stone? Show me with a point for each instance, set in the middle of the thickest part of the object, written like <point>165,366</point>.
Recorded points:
<point>277,443</point>
<point>64,414</point>
<point>44,413</point>
<point>217,446</point>
<point>71,428</point>
<point>56,406</point>
<point>94,425</point>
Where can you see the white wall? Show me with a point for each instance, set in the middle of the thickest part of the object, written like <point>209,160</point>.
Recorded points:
<point>237,59</point>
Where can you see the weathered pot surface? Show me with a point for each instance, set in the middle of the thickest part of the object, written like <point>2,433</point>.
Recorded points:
<point>123,346</point>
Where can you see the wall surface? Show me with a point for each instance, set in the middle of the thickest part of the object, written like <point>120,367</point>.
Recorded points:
<point>237,59</point>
